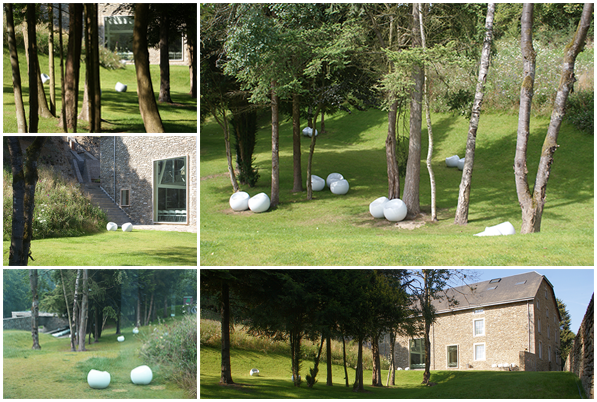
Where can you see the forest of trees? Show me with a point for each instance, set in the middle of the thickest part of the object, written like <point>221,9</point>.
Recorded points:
<point>90,297</point>
<point>308,60</point>
<point>153,24</point>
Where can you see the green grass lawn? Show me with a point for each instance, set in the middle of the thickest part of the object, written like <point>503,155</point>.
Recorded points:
<point>136,248</point>
<point>119,109</point>
<point>338,230</point>
<point>56,372</point>
<point>274,381</point>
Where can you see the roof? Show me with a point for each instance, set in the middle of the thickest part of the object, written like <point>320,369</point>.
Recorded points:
<point>510,289</point>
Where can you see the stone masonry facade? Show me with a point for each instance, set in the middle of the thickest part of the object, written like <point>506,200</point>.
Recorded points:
<point>580,360</point>
<point>133,170</point>
<point>521,335</point>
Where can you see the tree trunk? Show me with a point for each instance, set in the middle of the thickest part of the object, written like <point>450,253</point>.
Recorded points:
<point>74,330</point>
<point>295,352</point>
<point>165,315</point>
<point>467,172</point>
<point>138,309</point>
<point>34,309</point>
<point>392,162</point>
<point>92,109</point>
<point>328,354</point>
<point>531,222</point>
<point>376,380</point>
<point>226,373</point>
<point>223,122</point>
<point>428,118</point>
<point>16,255</point>
<point>191,23</point>
<point>32,71</point>
<point>393,358</point>
<point>147,104</point>
<point>296,145</point>
<point>16,73</point>
<point>164,60</point>
<point>275,195</point>
<point>84,312</point>
<point>358,385</point>
<point>66,303</point>
<point>42,102</point>
<point>310,159</point>
<point>410,194</point>
<point>427,317</point>
<point>51,59</point>
<point>315,369</point>
<point>73,60</point>
<point>148,312</point>
<point>96,323</point>
<point>84,114</point>
<point>344,360</point>
<point>322,121</point>
<point>427,372</point>
<point>62,90</point>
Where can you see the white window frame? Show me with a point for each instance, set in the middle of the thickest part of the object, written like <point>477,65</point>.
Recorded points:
<point>475,327</point>
<point>475,352</point>
<point>129,197</point>
<point>457,357</point>
<point>479,311</point>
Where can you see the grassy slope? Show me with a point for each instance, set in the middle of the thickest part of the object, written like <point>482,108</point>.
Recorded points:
<point>338,230</point>
<point>274,381</point>
<point>56,372</point>
<point>121,110</point>
<point>140,248</point>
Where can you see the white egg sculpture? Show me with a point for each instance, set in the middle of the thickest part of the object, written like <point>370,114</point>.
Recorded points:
<point>376,207</point>
<point>239,201</point>
<point>254,371</point>
<point>141,375</point>
<point>332,177</point>
<point>395,210</point>
<point>111,226</point>
<point>317,183</point>
<point>460,164</point>
<point>503,229</point>
<point>127,227</point>
<point>120,339</point>
<point>98,379</point>
<point>308,132</point>
<point>135,330</point>
<point>452,161</point>
<point>259,203</point>
<point>120,87</point>
<point>339,187</point>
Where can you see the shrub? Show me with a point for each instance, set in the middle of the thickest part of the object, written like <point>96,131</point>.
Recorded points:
<point>174,346</point>
<point>580,111</point>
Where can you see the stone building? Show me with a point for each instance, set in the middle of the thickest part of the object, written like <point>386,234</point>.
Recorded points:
<point>152,178</point>
<point>509,323</point>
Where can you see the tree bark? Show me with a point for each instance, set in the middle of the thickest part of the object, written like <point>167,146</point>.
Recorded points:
<point>17,256</point>
<point>31,177</point>
<point>138,309</point>
<point>358,385</point>
<point>392,162</point>
<point>34,309</point>
<point>147,104</point>
<point>73,61</point>
<point>344,360</point>
<point>84,312</point>
<point>92,83</point>
<point>33,70</point>
<point>376,379</point>
<point>96,323</point>
<point>148,312</point>
<point>328,354</point>
<point>296,145</point>
<point>16,73</point>
<point>310,159</point>
<point>51,59</point>
<point>164,95</point>
<point>393,358</point>
<point>62,90</point>
<point>191,23</point>
<point>74,329</point>
<point>410,194</point>
<point>275,196</point>
<point>467,172</point>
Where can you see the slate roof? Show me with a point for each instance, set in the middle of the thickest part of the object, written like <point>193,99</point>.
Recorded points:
<point>510,289</point>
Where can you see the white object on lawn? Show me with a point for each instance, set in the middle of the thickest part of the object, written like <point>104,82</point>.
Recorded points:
<point>259,203</point>
<point>292,378</point>
<point>339,187</point>
<point>317,183</point>
<point>135,330</point>
<point>120,87</point>
<point>98,379</point>
<point>239,201</point>
<point>127,227</point>
<point>254,371</point>
<point>452,161</point>
<point>461,164</point>
<point>376,207</point>
<point>141,375</point>
<point>120,339</point>
<point>111,226</point>
<point>395,210</point>
<point>308,132</point>
<point>44,78</point>
<point>503,229</point>
<point>332,177</point>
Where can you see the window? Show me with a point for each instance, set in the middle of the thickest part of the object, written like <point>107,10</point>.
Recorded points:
<point>549,353</point>
<point>170,190</point>
<point>417,353</point>
<point>175,47</point>
<point>540,350</point>
<point>548,333</point>
<point>479,311</point>
<point>479,351</point>
<point>546,293</point>
<point>125,198</point>
<point>453,356</point>
<point>495,280</point>
<point>537,304</point>
<point>492,288</point>
<point>119,35</point>
<point>520,283</point>
<point>539,325</point>
<point>479,327</point>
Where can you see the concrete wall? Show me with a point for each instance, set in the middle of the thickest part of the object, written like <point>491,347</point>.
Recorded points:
<point>24,323</point>
<point>580,360</point>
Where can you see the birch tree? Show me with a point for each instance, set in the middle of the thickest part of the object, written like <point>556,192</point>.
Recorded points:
<point>532,204</point>
<point>34,309</point>
<point>84,312</point>
<point>467,172</point>
<point>74,326</point>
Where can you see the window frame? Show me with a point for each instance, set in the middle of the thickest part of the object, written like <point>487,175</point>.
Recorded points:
<point>540,354</point>
<point>475,327</point>
<point>448,357</point>
<point>538,325</point>
<point>479,311</point>
<point>156,186</point>
<point>475,352</point>
<point>128,190</point>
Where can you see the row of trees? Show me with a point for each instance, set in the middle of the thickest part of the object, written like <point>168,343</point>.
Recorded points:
<point>167,19</point>
<point>308,59</point>
<point>89,297</point>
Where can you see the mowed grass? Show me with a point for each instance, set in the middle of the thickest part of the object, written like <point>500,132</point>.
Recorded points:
<point>119,109</point>
<point>56,372</point>
<point>274,381</point>
<point>339,230</point>
<point>136,248</point>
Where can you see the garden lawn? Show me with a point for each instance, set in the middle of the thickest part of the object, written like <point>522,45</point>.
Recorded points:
<point>339,230</point>
<point>274,381</point>
<point>137,248</point>
<point>119,109</point>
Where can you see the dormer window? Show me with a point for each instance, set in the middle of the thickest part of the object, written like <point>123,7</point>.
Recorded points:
<point>495,280</point>
<point>520,283</point>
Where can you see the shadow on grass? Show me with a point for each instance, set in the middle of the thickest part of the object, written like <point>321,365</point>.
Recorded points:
<point>173,256</point>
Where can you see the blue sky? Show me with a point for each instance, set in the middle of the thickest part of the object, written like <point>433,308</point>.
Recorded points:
<point>573,286</point>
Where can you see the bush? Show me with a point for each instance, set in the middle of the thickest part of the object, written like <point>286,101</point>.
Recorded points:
<point>580,111</point>
<point>61,210</point>
<point>174,346</point>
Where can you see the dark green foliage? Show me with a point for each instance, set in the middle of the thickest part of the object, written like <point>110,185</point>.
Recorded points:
<point>566,335</point>
<point>244,128</point>
<point>461,102</point>
<point>580,111</point>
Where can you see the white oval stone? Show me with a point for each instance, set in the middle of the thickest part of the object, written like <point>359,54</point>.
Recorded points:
<point>254,371</point>
<point>376,207</point>
<point>120,87</point>
<point>135,330</point>
<point>239,201</point>
<point>141,375</point>
<point>120,339</point>
<point>259,203</point>
<point>98,379</point>
<point>339,187</point>
<point>111,226</point>
<point>127,227</point>
<point>460,164</point>
<point>332,177</point>
<point>506,228</point>
<point>317,183</point>
<point>395,210</point>
<point>452,161</point>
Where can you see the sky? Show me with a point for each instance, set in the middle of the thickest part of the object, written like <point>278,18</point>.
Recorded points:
<point>573,286</point>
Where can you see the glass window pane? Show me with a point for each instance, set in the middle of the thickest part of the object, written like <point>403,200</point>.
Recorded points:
<point>479,327</point>
<point>452,356</point>
<point>171,190</point>
<point>479,352</point>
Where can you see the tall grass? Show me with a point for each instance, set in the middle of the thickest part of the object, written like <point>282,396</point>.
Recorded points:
<point>61,210</point>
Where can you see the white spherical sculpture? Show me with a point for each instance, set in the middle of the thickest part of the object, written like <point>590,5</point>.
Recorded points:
<point>239,201</point>
<point>503,229</point>
<point>332,177</point>
<point>259,203</point>
<point>376,207</point>
<point>339,187</point>
<point>135,330</point>
<point>120,87</point>
<point>141,375</point>
<point>317,183</point>
<point>395,210</point>
<point>460,164</point>
<point>45,78</point>
<point>308,132</point>
<point>452,161</point>
<point>120,339</point>
<point>98,379</point>
<point>127,227</point>
<point>111,226</point>
<point>254,371</point>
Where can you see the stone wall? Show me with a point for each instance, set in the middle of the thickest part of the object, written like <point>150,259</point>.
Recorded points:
<point>24,323</point>
<point>580,359</point>
<point>134,171</point>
